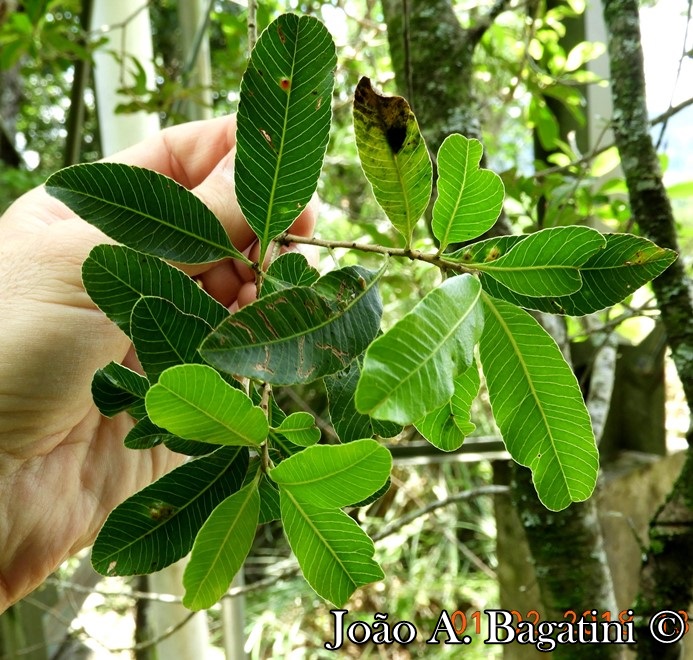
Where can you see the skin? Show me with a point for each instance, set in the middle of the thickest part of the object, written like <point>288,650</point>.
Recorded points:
<point>63,466</point>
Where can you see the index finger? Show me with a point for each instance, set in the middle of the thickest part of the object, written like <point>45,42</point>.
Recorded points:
<point>187,153</point>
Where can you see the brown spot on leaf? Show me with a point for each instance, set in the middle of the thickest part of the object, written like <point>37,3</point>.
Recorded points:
<point>267,137</point>
<point>493,254</point>
<point>390,114</point>
<point>285,84</point>
<point>318,104</point>
<point>282,37</point>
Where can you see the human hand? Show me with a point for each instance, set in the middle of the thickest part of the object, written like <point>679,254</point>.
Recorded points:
<point>63,466</point>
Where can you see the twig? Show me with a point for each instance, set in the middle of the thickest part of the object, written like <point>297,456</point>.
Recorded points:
<point>252,25</point>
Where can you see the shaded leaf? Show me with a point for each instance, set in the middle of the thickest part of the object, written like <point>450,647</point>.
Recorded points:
<point>410,370</point>
<point>300,334</point>
<point>537,405</point>
<point>115,277</point>
<point>469,198</point>
<point>446,427</point>
<point>144,210</point>
<point>194,402</point>
<point>269,501</point>
<point>156,526</point>
<point>333,476</point>
<point>546,263</point>
<point>335,554</point>
<point>393,155</point>
<point>164,336</point>
<point>284,118</point>
<point>189,447</point>
<point>300,429</point>
<point>145,435</point>
<point>221,547</point>
<point>287,270</point>
<point>375,496</point>
<point>612,274</point>
<point>349,424</point>
<point>115,388</point>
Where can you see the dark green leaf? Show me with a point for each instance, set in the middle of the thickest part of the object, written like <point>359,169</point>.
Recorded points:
<point>290,269</point>
<point>144,210</point>
<point>164,336</point>
<point>116,388</point>
<point>537,405</point>
<point>194,402</point>
<point>145,435</point>
<point>410,370</point>
<point>393,156</point>
<point>157,526</point>
<point>115,277</point>
<point>283,123</point>
<point>300,334</point>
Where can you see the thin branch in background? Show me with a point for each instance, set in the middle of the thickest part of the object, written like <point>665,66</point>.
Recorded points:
<point>102,29</point>
<point>479,30</point>
<point>252,25</point>
<point>408,69</point>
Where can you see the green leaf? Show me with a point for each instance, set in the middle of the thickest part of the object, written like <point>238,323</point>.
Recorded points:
<point>145,435</point>
<point>410,370</point>
<point>446,427</point>
<point>221,547</point>
<point>284,118</point>
<point>393,155</point>
<point>194,402</point>
<point>469,198</point>
<point>144,210</point>
<point>349,423</point>
<point>156,526</point>
<point>483,251</point>
<point>300,429</point>
<point>164,336</point>
<point>287,270</point>
<point>612,274</point>
<point>115,277</point>
<point>269,501</point>
<point>333,476</point>
<point>115,388</point>
<point>189,447</point>
<point>300,334</point>
<point>537,405</point>
<point>335,554</point>
<point>546,263</point>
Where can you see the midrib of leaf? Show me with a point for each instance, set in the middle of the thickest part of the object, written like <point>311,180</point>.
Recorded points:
<point>207,414</point>
<point>331,319</point>
<point>221,545</point>
<point>444,242</point>
<point>265,234</point>
<point>319,535</point>
<point>503,269</point>
<point>164,335</point>
<point>407,205</point>
<point>517,351</point>
<point>221,473</point>
<point>443,340</point>
<point>346,468</point>
<point>232,253</point>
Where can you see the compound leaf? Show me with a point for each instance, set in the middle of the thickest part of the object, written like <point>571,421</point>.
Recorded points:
<point>546,263</point>
<point>300,334</point>
<point>335,554</point>
<point>284,118</point>
<point>333,476</point>
<point>410,370</point>
<point>144,210</point>
<point>194,402</point>
<point>156,526</point>
<point>116,277</point>
<point>393,155</point>
<point>470,198</point>
<point>221,547</point>
<point>446,427</point>
<point>537,405</point>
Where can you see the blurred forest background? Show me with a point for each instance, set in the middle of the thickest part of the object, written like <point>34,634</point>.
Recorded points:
<point>530,78</point>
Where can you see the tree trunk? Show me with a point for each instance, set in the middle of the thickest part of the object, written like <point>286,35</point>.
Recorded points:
<point>667,572</point>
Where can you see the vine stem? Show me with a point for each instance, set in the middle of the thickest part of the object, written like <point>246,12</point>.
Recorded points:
<point>407,253</point>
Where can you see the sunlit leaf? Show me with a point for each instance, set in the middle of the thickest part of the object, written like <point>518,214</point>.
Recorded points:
<point>410,370</point>
<point>144,210</point>
<point>546,263</point>
<point>284,118</point>
<point>393,155</point>
<point>300,429</point>
<point>194,402</point>
<point>333,476</point>
<point>221,547</point>
<point>157,526</point>
<point>290,269</point>
<point>469,198</point>
<point>115,277</point>
<point>300,334</point>
<point>446,427</point>
<point>537,405</point>
<point>335,554</point>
